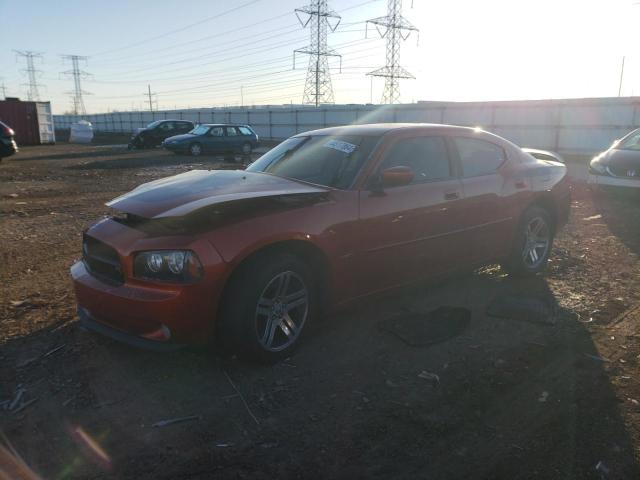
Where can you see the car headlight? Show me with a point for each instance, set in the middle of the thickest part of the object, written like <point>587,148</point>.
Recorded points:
<point>597,168</point>
<point>172,266</point>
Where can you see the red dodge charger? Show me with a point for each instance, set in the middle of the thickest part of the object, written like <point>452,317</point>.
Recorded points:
<point>326,217</point>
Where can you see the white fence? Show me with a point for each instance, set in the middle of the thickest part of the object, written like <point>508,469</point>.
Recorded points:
<point>575,126</point>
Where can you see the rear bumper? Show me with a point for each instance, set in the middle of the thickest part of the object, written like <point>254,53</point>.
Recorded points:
<point>613,181</point>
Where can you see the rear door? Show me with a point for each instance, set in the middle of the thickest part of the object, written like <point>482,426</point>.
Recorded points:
<point>233,140</point>
<point>409,232</point>
<point>214,140</point>
<point>163,131</point>
<point>182,127</point>
<point>487,218</point>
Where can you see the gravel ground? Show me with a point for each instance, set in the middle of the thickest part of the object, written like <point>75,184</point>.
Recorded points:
<point>554,396</point>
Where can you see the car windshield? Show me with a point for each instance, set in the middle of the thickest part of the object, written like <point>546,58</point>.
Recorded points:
<point>631,142</point>
<point>200,130</point>
<point>154,124</point>
<point>323,160</point>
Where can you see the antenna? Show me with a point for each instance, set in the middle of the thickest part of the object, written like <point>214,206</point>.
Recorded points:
<point>32,86</point>
<point>317,87</point>
<point>77,74</point>
<point>395,28</point>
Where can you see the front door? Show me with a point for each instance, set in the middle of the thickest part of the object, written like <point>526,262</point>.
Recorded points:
<point>409,232</point>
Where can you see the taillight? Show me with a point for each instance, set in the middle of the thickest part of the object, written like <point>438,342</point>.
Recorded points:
<point>8,132</point>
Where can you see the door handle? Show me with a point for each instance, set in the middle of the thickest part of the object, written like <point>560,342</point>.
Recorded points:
<point>451,195</point>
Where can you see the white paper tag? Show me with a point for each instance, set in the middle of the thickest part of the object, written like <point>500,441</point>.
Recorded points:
<point>341,146</point>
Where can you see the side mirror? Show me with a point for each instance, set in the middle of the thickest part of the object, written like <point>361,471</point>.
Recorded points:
<point>396,176</point>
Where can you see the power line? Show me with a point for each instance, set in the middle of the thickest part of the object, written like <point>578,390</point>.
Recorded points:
<point>171,32</point>
<point>317,87</point>
<point>77,74</point>
<point>396,29</point>
<point>32,86</point>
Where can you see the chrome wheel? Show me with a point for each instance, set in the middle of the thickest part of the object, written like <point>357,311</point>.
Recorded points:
<point>537,239</point>
<point>246,149</point>
<point>281,312</point>
<point>195,149</point>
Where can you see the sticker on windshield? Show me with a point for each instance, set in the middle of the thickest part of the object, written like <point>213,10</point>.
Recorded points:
<point>341,146</point>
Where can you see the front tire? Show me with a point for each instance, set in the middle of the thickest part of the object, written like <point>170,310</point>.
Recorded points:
<point>267,305</point>
<point>246,149</point>
<point>195,149</point>
<point>533,243</point>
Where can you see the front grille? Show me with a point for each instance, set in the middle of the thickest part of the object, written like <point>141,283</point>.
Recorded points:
<point>102,261</point>
<point>630,172</point>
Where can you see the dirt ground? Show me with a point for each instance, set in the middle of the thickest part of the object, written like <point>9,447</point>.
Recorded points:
<point>513,399</point>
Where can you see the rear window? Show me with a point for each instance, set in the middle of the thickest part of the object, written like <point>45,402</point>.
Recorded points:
<point>478,157</point>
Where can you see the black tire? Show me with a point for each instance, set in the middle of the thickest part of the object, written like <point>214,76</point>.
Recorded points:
<point>244,325</point>
<point>195,149</point>
<point>522,262</point>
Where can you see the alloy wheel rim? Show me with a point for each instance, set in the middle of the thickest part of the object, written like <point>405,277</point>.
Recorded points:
<point>536,242</point>
<point>246,149</point>
<point>281,312</point>
<point>195,149</point>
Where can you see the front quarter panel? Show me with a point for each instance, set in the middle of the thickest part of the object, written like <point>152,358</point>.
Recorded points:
<point>330,224</point>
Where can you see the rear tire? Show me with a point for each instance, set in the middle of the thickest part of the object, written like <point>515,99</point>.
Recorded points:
<point>246,149</point>
<point>195,149</point>
<point>267,306</point>
<point>533,243</point>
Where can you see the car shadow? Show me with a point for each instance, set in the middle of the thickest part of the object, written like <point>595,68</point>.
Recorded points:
<point>619,210</point>
<point>513,399</point>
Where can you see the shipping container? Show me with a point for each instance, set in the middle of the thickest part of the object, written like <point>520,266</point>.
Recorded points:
<point>32,121</point>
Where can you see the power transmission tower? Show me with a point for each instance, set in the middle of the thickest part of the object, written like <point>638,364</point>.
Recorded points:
<point>317,87</point>
<point>77,74</point>
<point>32,87</point>
<point>395,28</point>
<point>3,89</point>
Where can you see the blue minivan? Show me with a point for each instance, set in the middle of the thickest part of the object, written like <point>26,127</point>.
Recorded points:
<point>214,138</point>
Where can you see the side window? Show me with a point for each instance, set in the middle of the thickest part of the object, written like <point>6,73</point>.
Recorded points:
<point>185,127</point>
<point>216,132</point>
<point>232,132</point>
<point>166,126</point>
<point>478,157</point>
<point>245,131</point>
<point>426,156</point>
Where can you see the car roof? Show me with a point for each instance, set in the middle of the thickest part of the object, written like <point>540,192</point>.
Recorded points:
<point>173,120</point>
<point>223,124</point>
<point>377,129</point>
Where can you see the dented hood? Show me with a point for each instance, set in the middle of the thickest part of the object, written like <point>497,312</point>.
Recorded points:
<point>190,191</point>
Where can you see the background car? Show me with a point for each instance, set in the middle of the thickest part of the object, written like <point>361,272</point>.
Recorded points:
<point>326,217</point>
<point>544,154</point>
<point>8,144</point>
<point>619,166</point>
<point>154,133</point>
<point>214,138</point>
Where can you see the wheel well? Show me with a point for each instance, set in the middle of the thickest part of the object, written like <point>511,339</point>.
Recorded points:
<point>307,251</point>
<point>546,203</point>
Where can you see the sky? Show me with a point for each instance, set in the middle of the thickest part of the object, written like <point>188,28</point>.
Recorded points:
<point>204,53</point>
